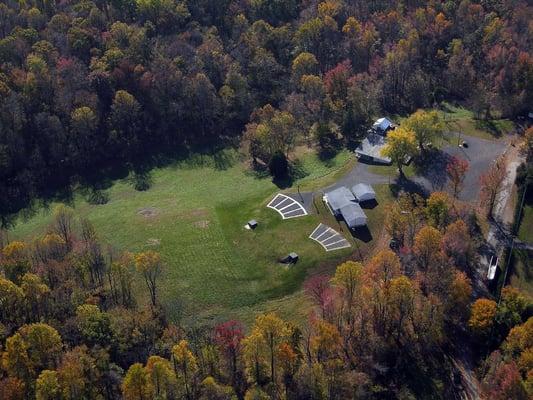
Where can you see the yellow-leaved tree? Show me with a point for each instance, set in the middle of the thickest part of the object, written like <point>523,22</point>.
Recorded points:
<point>262,346</point>
<point>136,384</point>
<point>185,366</point>
<point>401,145</point>
<point>426,125</point>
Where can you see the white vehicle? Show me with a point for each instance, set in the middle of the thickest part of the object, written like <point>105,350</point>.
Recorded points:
<point>492,268</point>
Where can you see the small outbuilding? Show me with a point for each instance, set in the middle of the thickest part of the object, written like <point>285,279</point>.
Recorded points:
<point>363,192</point>
<point>252,224</point>
<point>291,258</point>
<point>382,125</point>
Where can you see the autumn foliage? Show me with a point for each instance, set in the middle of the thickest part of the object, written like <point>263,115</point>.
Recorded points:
<point>92,86</point>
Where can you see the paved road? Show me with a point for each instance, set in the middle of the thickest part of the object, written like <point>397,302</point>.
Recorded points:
<point>359,174</point>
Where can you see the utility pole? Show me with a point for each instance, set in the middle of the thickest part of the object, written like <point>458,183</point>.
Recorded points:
<point>301,197</point>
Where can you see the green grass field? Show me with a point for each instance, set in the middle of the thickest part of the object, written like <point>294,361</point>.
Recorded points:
<point>194,215</point>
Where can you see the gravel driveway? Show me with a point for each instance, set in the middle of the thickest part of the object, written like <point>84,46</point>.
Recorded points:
<point>480,154</point>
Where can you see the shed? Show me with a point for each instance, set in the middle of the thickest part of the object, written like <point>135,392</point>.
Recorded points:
<point>382,124</point>
<point>291,258</point>
<point>252,224</point>
<point>363,192</point>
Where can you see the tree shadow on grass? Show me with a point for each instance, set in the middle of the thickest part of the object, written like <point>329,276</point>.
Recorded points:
<point>224,160</point>
<point>327,156</point>
<point>297,170</point>
<point>29,209</point>
<point>103,173</point>
<point>258,172</point>
<point>283,182</point>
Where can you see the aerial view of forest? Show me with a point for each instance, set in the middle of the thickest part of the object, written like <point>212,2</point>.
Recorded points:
<point>266,199</point>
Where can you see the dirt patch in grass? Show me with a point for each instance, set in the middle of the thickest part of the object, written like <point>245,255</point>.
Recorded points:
<point>195,213</point>
<point>201,224</point>
<point>153,242</point>
<point>200,212</point>
<point>148,212</point>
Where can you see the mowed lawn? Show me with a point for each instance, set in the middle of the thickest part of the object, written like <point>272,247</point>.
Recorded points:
<point>194,215</point>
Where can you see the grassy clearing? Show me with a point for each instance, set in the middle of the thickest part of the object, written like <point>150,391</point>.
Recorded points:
<point>194,215</point>
<point>462,120</point>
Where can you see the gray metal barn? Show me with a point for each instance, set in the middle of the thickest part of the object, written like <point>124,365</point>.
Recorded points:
<point>343,203</point>
<point>363,192</point>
